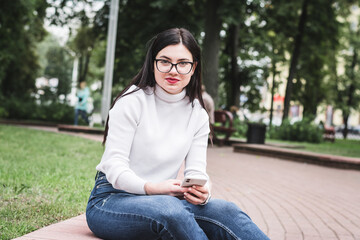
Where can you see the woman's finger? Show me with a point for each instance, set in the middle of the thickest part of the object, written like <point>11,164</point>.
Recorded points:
<point>192,198</point>
<point>196,196</point>
<point>202,189</point>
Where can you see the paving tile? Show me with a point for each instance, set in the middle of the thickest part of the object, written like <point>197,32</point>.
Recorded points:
<point>291,236</point>
<point>311,238</point>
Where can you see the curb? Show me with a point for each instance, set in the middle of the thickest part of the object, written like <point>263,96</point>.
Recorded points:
<point>300,156</point>
<point>27,123</point>
<point>79,129</point>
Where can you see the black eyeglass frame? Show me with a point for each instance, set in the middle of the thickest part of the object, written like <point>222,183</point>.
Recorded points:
<point>172,65</point>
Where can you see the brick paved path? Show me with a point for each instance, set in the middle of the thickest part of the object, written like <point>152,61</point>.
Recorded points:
<point>287,200</point>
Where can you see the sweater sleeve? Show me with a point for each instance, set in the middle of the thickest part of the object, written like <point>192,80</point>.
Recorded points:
<point>195,162</point>
<point>124,118</point>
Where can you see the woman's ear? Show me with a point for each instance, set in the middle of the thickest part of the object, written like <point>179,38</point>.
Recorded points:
<point>193,69</point>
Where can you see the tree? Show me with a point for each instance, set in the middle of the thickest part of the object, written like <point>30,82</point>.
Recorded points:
<point>233,15</point>
<point>294,57</point>
<point>320,39</point>
<point>211,47</point>
<point>244,51</point>
<point>316,40</point>
<point>234,80</point>
<point>83,44</point>
<point>280,20</point>
<point>256,37</point>
<point>347,85</point>
<point>21,27</point>
<point>59,66</point>
<point>85,29</point>
<point>138,22</point>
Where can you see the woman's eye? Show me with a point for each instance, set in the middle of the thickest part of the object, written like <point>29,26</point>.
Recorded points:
<point>164,62</point>
<point>183,64</point>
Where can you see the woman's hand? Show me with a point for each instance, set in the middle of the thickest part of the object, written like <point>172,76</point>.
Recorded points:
<point>196,194</point>
<point>169,187</point>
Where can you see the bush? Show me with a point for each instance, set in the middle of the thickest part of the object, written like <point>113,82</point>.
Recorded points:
<point>19,108</point>
<point>55,112</point>
<point>240,127</point>
<point>3,111</point>
<point>302,131</point>
<point>27,109</point>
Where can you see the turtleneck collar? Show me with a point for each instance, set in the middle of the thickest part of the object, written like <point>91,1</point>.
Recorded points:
<point>167,97</point>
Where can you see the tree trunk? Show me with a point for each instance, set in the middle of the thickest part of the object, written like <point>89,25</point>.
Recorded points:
<point>84,67</point>
<point>350,94</point>
<point>234,71</point>
<point>311,98</point>
<point>295,58</point>
<point>272,91</point>
<point>345,130</point>
<point>211,48</point>
<point>80,68</point>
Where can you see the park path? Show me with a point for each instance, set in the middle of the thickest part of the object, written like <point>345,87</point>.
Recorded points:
<point>287,200</point>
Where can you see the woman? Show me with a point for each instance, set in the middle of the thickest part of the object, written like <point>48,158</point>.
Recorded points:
<point>155,124</point>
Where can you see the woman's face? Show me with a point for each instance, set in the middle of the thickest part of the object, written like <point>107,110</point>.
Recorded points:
<point>173,82</point>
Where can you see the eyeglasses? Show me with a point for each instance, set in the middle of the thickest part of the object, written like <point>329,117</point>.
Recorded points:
<point>165,66</point>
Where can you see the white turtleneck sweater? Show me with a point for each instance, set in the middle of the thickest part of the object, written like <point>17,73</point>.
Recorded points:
<point>150,134</point>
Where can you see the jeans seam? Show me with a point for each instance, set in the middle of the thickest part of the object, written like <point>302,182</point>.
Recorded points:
<point>137,215</point>
<point>218,224</point>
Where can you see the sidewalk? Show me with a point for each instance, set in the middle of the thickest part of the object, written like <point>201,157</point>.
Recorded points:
<point>286,199</point>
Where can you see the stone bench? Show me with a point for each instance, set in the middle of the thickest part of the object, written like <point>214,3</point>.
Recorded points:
<point>73,228</point>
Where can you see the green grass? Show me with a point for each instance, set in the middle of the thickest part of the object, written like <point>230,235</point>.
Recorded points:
<point>44,178</point>
<point>341,147</point>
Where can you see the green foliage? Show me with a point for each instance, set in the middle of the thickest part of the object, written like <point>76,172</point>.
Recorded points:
<point>266,34</point>
<point>56,112</point>
<point>3,111</point>
<point>82,44</point>
<point>240,127</point>
<point>46,180</point>
<point>345,88</point>
<point>341,147</point>
<point>320,40</point>
<point>301,131</point>
<point>42,48</point>
<point>139,21</point>
<point>59,65</point>
<point>21,26</point>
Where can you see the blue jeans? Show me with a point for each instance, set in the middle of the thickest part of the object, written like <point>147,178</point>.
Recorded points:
<point>83,114</point>
<point>116,214</point>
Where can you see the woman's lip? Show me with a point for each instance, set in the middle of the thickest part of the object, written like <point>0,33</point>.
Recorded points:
<point>172,80</point>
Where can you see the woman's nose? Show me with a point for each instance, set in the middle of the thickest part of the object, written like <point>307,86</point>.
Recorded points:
<point>173,70</point>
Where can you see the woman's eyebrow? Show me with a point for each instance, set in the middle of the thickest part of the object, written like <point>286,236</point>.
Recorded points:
<point>179,60</point>
<point>165,57</point>
<point>183,59</point>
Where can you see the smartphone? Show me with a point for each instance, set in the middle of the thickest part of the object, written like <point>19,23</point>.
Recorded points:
<point>189,181</point>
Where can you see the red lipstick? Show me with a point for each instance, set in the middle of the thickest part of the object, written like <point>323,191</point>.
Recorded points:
<point>172,80</point>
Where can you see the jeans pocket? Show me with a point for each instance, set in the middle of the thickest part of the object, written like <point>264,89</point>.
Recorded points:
<point>102,185</point>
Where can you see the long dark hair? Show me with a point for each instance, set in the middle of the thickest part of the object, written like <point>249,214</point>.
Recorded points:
<point>145,78</point>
